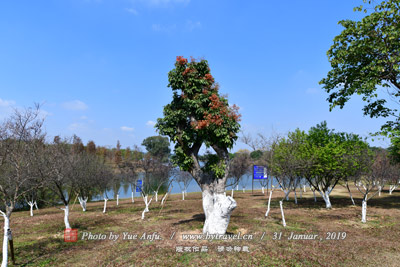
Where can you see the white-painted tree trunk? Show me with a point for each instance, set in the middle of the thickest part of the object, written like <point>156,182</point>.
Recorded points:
<point>133,198</point>
<point>237,187</point>
<point>295,197</point>
<point>183,195</point>
<point>117,199</point>
<point>66,217</point>
<point>269,204</point>
<point>304,188</point>
<point>83,202</point>
<point>286,194</point>
<point>31,204</point>
<point>325,196</point>
<point>218,209</point>
<point>232,193</point>
<point>105,205</point>
<point>36,206</point>
<point>164,198</point>
<point>243,189</point>
<point>315,197</point>
<point>157,196</point>
<point>147,206</point>
<point>364,212</point>
<point>283,215</point>
<point>262,189</point>
<point>379,190</point>
<point>391,189</point>
<point>4,262</point>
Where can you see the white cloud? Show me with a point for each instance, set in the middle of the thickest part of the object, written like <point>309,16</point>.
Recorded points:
<point>150,123</point>
<point>6,103</point>
<point>191,25</point>
<point>132,11</point>
<point>127,129</point>
<point>75,105</point>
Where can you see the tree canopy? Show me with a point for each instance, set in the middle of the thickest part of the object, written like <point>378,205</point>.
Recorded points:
<point>364,58</point>
<point>157,146</point>
<point>198,115</point>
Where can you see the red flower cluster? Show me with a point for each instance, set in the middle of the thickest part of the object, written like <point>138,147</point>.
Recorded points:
<point>186,71</point>
<point>205,91</point>
<point>209,77</point>
<point>181,60</point>
<point>234,113</point>
<point>215,102</point>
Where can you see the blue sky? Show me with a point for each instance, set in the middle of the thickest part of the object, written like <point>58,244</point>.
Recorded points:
<point>100,67</point>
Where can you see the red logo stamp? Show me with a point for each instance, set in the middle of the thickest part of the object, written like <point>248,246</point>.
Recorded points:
<point>70,235</point>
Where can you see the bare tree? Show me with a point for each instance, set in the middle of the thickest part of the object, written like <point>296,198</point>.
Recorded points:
<point>89,169</point>
<point>183,179</point>
<point>240,167</point>
<point>21,149</point>
<point>367,180</point>
<point>60,171</point>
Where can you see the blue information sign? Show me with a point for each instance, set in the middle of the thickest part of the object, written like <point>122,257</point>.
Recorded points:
<point>139,186</point>
<point>260,172</point>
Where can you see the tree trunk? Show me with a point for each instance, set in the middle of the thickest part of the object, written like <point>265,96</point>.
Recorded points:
<point>315,197</point>
<point>286,194</point>
<point>351,196</point>
<point>325,196</point>
<point>83,202</point>
<point>157,196</point>
<point>36,206</point>
<point>4,263</point>
<point>304,188</point>
<point>31,204</point>
<point>31,209</point>
<point>117,199</point>
<point>364,212</point>
<point>269,204</point>
<point>146,203</point>
<point>283,215</point>
<point>232,193</point>
<point>164,198</point>
<point>262,189</point>
<point>105,205</point>
<point>217,209</point>
<point>183,195</point>
<point>295,197</point>
<point>237,187</point>
<point>243,189</point>
<point>66,217</point>
<point>133,199</point>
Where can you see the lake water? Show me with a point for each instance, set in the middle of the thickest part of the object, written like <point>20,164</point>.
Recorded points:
<point>125,191</point>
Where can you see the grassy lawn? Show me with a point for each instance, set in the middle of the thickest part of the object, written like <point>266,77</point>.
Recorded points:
<point>39,241</point>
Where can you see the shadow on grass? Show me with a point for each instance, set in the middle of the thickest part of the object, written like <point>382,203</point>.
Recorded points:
<point>196,218</point>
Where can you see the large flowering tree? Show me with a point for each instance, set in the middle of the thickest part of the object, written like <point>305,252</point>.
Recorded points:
<point>199,115</point>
